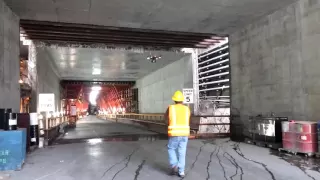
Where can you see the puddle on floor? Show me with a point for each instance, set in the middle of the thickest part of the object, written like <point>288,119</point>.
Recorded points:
<point>128,137</point>
<point>302,162</point>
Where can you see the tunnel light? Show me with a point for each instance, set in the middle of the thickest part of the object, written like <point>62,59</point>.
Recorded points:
<point>94,94</point>
<point>72,51</point>
<point>72,57</point>
<point>96,88</point>
<point>96,71</point>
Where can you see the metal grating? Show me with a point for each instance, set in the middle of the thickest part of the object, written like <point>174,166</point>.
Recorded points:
<point>214,76</point>
<point>92,34</point>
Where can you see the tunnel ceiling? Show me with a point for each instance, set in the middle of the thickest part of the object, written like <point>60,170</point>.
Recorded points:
<point>206,16</point>
<point>108,65</point>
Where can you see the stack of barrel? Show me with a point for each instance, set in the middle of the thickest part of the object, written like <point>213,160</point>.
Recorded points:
<point>12,121</point>
<point>8,120</point>
<point>12,141</point>
<point>300,137</point>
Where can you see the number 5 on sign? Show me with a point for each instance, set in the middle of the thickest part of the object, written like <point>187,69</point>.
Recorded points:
<point>188,96</point>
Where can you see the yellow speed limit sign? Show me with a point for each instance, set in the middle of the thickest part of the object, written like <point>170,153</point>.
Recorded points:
<point>188,96</point>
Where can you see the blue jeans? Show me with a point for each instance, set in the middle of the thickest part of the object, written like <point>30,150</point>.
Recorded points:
<point>177,148</point>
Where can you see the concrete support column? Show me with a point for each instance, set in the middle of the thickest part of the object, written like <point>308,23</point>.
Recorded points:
<point>9,59</point>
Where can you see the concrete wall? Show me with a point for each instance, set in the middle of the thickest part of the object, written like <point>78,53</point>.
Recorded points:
<point>45,77</point>
<point>9,59</point>
<point>275,64</point>
<point>156,89</point>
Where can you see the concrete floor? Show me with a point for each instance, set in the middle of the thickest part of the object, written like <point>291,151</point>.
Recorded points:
<point>218,159</point>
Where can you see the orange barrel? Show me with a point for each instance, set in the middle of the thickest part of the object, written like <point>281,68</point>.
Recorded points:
<point>307,137</point>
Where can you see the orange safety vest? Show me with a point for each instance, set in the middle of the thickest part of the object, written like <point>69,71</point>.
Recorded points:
<point>179,118</point>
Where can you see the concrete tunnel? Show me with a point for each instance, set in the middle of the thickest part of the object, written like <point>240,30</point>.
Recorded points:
<point>83,75</point>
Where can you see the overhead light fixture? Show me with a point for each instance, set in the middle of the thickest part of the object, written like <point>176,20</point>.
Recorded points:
<point>96,71</point>
<point>72,51</point>
<point>72,57</point>
<point>96,88</point>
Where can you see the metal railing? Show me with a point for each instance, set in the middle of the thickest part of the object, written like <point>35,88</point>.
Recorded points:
<point>202,126</point>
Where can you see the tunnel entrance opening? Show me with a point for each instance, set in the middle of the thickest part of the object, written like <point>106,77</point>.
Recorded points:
<point>119,62</point>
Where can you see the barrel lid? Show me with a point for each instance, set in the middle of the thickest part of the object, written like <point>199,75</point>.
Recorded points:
<point>33,116</point>
<point>12,115</point>
<point>305,122</point>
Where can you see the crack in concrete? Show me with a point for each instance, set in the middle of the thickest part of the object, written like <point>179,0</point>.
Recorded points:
<point>236,173</point>
<point>127,163</point>
<point>237,149</point>
<point>234,162</point>
<point>223,169</point>
<point>209,162</point>
<point>127,157</point>
<point>306,173</point>
<point>193,164</point>
<point>113,166</point>
<point>139,169</point>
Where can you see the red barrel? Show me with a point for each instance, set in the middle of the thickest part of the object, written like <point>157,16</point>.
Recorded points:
<point>288,136</point>
<point>300,136</point>
<point>288,145</point>
<point>307,138</point>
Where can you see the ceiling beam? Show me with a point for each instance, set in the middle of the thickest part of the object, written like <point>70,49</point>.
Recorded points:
<point>109,41</point>
<point>110,28</point>
<point>91,34</point>
<point>93,41</point>
<point>110,36</point>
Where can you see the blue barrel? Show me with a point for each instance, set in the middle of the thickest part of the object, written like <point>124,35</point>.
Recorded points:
<point>12,149</point>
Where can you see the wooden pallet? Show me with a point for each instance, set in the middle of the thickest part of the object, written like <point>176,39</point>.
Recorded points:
<point>297,152</point>
<point>263,144</point>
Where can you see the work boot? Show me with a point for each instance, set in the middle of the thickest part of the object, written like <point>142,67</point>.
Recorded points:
<point>174,171</point>
<point>182,175</point>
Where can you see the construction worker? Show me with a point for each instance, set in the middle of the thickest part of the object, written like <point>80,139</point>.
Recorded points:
<point>178,118</point>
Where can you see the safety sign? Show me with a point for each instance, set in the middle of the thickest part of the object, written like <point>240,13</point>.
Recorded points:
<point>188,96</point>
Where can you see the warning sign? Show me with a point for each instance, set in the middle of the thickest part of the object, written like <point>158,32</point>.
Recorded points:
<point>188,96</point>
<point>46,103</point>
